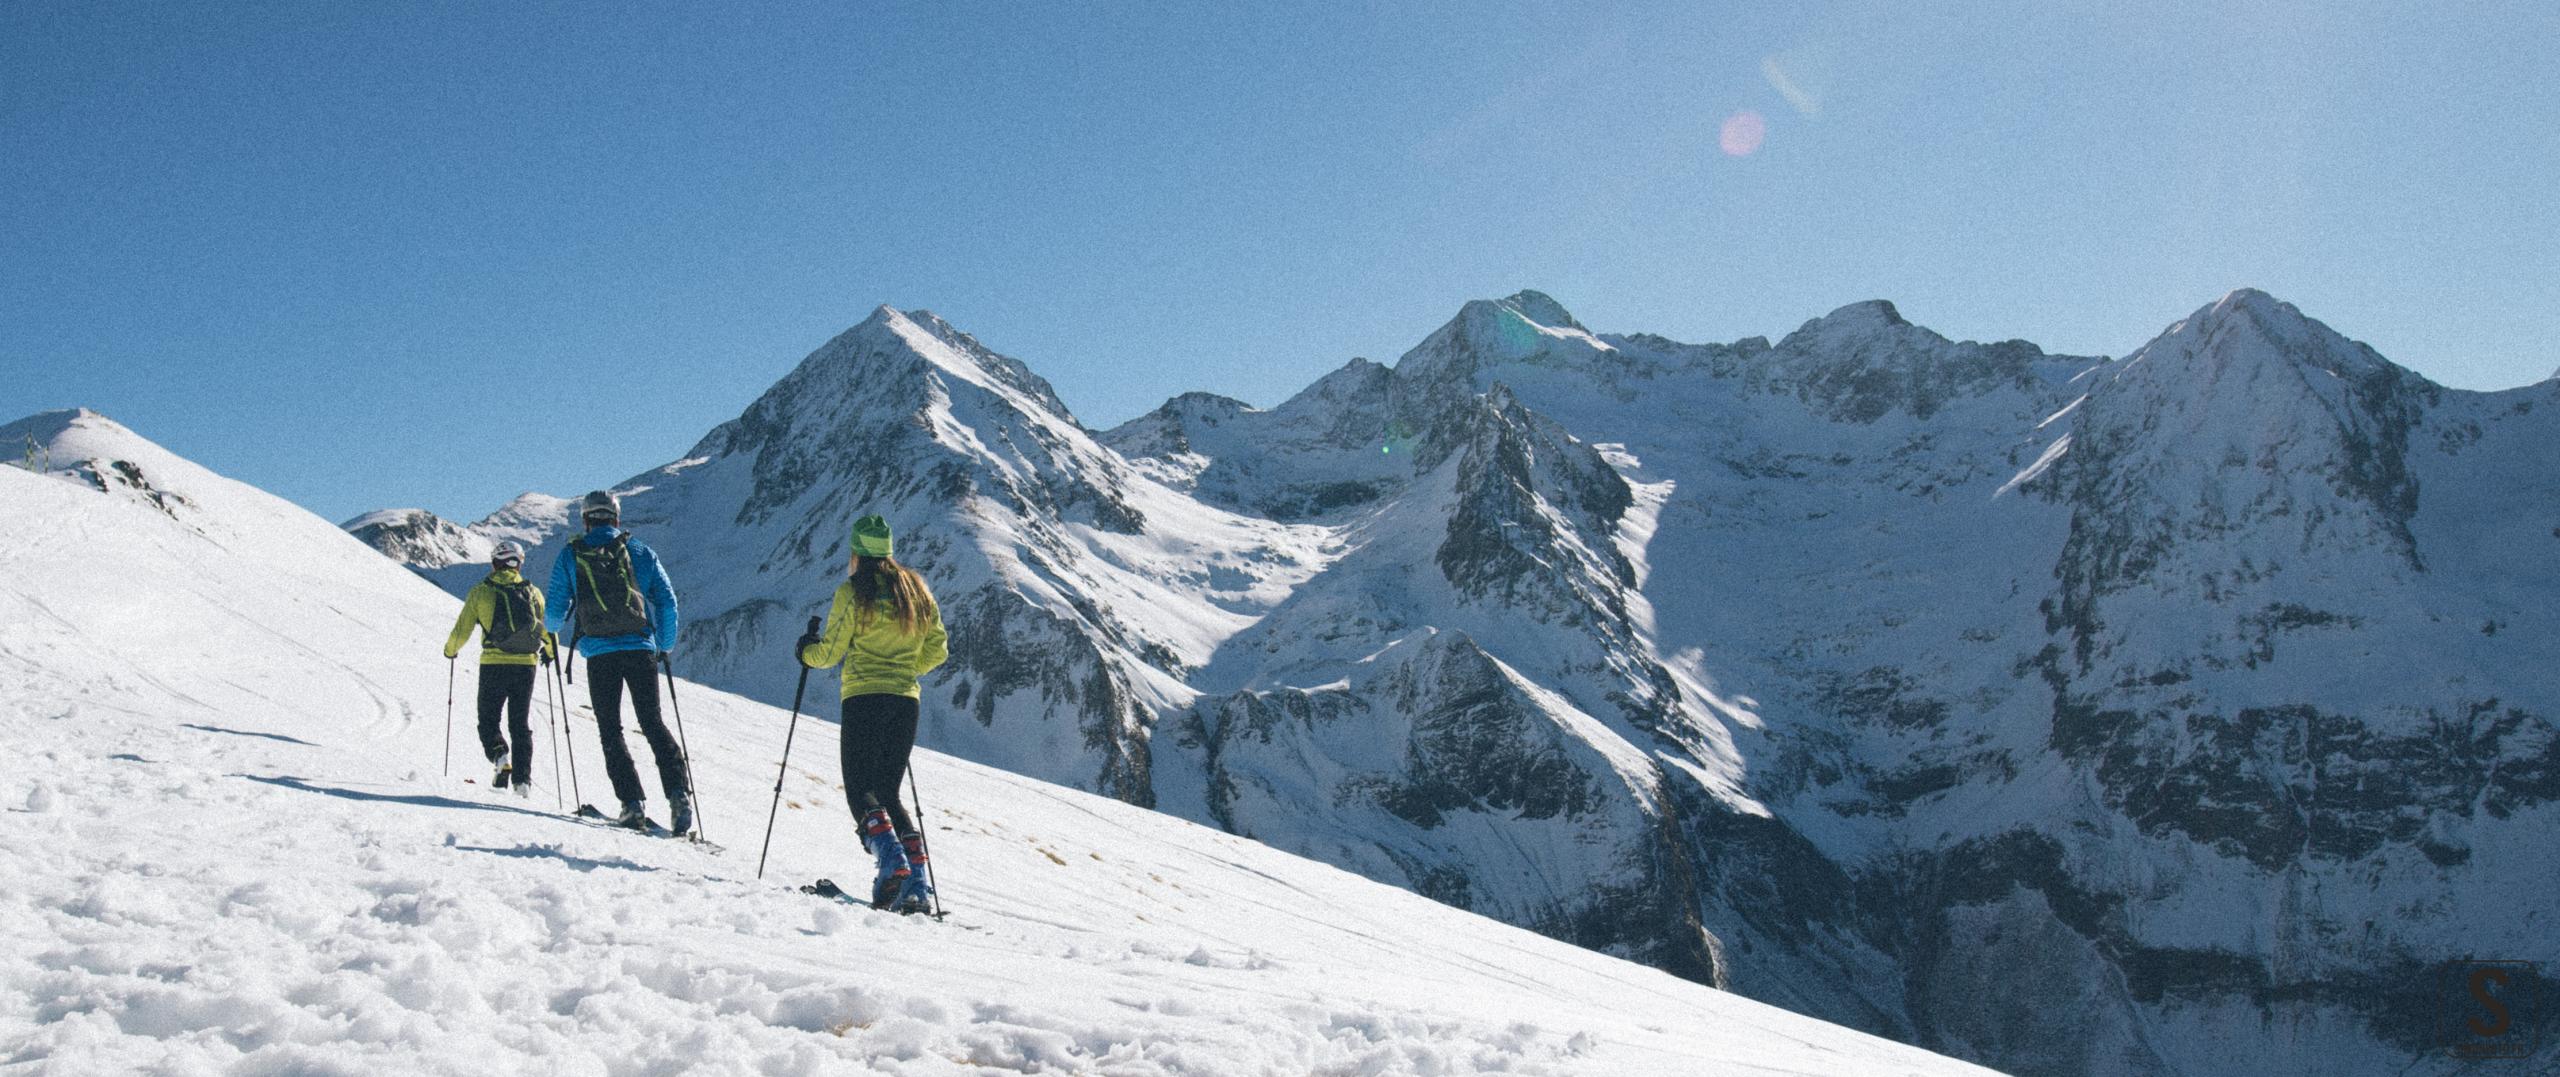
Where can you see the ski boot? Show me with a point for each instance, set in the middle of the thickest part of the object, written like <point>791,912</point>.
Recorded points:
<point>917,894</point>
<point>680,815</point>
<point>635,814</point>
<point>894,874</point>
<point>504,777</point>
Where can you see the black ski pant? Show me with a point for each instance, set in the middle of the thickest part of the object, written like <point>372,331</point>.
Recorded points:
<point>879,733</point>
<point>510,687</point>
<point>607,675</point>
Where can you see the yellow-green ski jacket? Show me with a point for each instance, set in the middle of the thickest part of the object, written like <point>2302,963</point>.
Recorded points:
<point>480,608</point>
<point>878,657</point>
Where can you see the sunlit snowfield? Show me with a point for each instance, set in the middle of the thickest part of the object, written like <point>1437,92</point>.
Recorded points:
<point>229,846</point>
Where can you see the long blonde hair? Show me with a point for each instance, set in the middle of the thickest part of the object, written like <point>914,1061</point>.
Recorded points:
<point>880,582</point>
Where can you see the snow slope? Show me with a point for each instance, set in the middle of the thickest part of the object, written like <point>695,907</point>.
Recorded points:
<point>232,849</point>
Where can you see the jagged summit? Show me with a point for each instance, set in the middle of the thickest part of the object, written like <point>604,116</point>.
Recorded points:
<point>2248,326</point>
<point>1525,327</point>
<point>893,347</point>
<point>1197,402</point>
<point>419,538</point>
<point>1540,308</point>
<point>1871,319</point>
<point>1875,310</point>
<point>385,518</point>
<point>888,370</point>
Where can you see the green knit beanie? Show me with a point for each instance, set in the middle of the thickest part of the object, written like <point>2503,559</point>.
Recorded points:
<point>871,537</point>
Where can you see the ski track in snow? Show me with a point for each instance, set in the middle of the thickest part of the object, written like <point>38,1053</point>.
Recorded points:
<point>229,848</point>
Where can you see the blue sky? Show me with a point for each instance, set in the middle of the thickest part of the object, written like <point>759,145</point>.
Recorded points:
<point>366,257</point>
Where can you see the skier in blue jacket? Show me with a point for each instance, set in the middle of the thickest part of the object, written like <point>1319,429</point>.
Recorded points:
<point>626,612</point>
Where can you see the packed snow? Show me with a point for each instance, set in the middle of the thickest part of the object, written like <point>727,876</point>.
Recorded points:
<point>231,846</point>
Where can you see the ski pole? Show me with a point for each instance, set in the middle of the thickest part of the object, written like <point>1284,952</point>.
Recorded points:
<point>924,844</point>
<point>776,811</point>
<point>449,665</point>
<point>554,692</point>
<point>560,701</point>
<point>683,749</point>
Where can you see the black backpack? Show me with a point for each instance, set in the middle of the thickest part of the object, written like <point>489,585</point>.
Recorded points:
<point>512,628</point>
<point>608,591</point>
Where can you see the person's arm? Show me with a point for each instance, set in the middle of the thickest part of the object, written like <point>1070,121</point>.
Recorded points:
<point>837,638</point>
<point>475,609</point>
<point>937,643</point>
<point>550,643</point>
<point>661,593</point>
<point>558,596</point>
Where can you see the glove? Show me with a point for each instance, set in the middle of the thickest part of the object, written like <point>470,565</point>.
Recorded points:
<point>662,657</point>
<point>808,639</point>
<point>550,647</point>
<point>450,654</point>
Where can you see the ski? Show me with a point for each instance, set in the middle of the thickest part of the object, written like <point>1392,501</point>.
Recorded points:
<point>827,888</point>
<point>588,814</point>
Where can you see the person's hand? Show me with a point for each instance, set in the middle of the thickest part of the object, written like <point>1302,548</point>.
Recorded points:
<point>662,657</point>
<point>808,639</point>
<point>450,655</point>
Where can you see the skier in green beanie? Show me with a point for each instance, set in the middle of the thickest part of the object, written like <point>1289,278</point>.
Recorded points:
<point>886,630</point>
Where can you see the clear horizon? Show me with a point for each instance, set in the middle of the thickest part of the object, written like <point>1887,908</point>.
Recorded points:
<point>503,251</point>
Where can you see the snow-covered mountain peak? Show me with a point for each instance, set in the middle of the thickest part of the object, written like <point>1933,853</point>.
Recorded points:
<point>86,447</point>
<point>76,433</point>
<point>2250,326</point>
<point>959,354</point>
<point>1865,361</point>
<point>44,426</point>
<point>889,371</point>
<point>1867,320</point>
<point>1541,309</point>
<point>1526,328</point>
<point>1881,311</point>
<point>528,519</point>
<point>419,538</point>
<point>1211,405</point>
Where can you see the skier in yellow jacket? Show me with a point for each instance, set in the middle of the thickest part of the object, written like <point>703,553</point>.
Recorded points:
<point>507,609</point>
<point>886,630</point>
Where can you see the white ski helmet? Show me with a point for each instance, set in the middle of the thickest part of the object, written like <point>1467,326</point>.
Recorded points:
<point>507,553</point>
<point>600,503</point>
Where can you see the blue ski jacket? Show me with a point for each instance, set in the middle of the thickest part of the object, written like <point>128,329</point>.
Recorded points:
<point>561,596</point>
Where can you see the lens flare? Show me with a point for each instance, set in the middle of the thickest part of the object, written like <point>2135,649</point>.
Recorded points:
<point>1742,134</point>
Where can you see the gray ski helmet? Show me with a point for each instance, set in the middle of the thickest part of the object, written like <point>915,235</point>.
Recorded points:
<point>507,554</point>
<point>600,503</point>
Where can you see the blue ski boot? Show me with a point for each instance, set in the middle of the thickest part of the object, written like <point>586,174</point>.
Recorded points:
<point>891,882</point>
<point>917,894</point>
